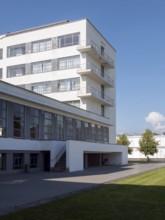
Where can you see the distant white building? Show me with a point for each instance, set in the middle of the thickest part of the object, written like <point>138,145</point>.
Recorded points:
<point>65,108</point>
<point>134,139</point>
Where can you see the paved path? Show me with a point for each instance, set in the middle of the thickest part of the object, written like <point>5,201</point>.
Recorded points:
<point>32,188</point>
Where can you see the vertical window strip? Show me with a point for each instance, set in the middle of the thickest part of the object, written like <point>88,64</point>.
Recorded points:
<point>3,118</point>
<point>34,123</point>
<point>60,127</point>
<point>47,125</point>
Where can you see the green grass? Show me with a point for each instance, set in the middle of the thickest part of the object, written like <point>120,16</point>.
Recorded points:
<point>140,197</point>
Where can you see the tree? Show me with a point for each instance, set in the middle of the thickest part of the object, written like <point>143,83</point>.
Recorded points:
<point>148,144</point>
<point>123,140</point>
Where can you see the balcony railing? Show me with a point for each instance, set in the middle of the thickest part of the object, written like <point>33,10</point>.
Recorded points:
<point>96,94</point>
<point>97,73</point>
<point>91,46</point>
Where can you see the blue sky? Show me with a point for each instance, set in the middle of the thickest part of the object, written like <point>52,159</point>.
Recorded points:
<point>135,28</point>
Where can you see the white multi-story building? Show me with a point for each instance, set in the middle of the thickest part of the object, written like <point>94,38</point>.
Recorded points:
<point>67,61</point>
<point>136,154</point>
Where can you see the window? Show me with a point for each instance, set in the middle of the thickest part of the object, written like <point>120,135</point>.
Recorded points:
<point>17,70</point>
<point>87,131</point>
<point>75,84</point>
<point>18,121</point>
<point>102,91</point>
<point>16,50</point>
<point>93,132</point>
<point>102,50</point>
<point>3,118</point>
<point>41,67</point>
<point>68,40</point>
<point>78,130</point>
<point>3,161</point>
<point>60,127</point>
<point>74,103</point>
<point>33,160</point>
<point>42,45</point>
<point>102,71</point>
<point>47,125</point>
<point>99,133</point>
<point>34,123</point>
<point>1,73</point>
<point>68,62</point>
<point>102,110</point>
<point>69,130</point>
<point>18,161</point>
<point>69,84</point>
<point>105,135</point>
<point>42,88</point>
<point>1,54</point>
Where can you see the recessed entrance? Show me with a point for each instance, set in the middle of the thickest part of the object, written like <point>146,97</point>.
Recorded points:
<point>46,160</point>
<point>92,160</point>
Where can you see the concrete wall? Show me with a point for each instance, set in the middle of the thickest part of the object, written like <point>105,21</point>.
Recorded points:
<point>117,154</point>
<point>21,145</point>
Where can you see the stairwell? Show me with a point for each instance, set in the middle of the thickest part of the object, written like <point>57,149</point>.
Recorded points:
<point>61,164</point>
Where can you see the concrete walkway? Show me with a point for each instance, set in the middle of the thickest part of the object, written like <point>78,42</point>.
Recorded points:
<point>23,190</point>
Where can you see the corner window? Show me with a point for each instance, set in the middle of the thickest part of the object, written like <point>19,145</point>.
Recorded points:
<point>68,40</point>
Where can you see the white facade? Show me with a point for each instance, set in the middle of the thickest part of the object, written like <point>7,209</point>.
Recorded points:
<point>84,146</point>
<point>68,61</point>
<point>134,144</point>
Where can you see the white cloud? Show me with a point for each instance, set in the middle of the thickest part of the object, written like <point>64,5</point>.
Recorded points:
<point>157,121</point>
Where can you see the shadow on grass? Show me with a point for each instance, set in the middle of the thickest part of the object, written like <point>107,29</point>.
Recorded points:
<point>112,201</point>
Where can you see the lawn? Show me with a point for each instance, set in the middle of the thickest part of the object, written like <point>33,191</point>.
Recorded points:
<point>139,197</point>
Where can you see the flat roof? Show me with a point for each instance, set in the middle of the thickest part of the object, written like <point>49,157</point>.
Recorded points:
<point>8,34</point>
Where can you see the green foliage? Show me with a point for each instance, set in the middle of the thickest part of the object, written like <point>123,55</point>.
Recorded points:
<point>130,150</point>
<point>148,144</point>
<point>123,140</point>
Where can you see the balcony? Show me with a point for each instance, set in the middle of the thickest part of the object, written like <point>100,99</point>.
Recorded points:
<point>96,52</point>
<point>94,94</point>
<point>95,73</point>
